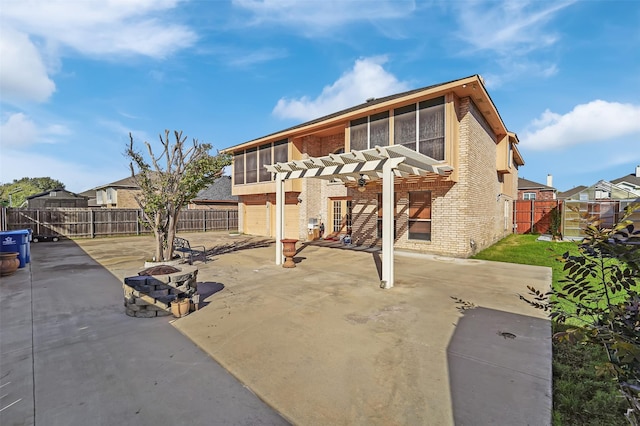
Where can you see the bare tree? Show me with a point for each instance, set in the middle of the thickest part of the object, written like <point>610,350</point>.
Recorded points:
<point>169,181</point>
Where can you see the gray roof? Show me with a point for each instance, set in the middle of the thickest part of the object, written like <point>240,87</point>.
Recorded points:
<point>128,182</point>
<point>631,178</point>
<point>571,192</point>
<point>220,190</point>
<point>63,194</point>
<point>529,184</point>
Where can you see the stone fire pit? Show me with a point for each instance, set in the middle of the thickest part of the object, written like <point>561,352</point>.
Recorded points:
<point>150,293</point>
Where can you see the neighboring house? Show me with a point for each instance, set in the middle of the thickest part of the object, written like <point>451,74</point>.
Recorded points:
<point>530,190</point>
<point>91,197</point>
<point>58,197</point>
<point>630,182</point>
<point>571,192</point>
<point>216,197</point>
<point>452,162</point>
<point>119,194</point>
<point>604,191</point>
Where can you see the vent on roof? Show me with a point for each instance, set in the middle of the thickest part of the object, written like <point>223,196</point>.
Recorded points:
<point>371,99</point>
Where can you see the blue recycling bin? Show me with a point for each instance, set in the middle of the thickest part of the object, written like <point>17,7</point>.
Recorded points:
<point>17,241</point>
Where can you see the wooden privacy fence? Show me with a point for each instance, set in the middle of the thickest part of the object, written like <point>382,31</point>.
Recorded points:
<point>91,223</point>
<point>531,216</point>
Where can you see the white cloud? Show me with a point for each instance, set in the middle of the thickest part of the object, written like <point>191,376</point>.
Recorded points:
<point>35,33</point>
<point>23,75</point>
<point>365,80</point>
<point>512,33</point>
<point>20,131</point>
<point>260,56</point>
<point>315,16</point>
<point>596,121</point>
<point>117,27</point>
<point>508,27</point>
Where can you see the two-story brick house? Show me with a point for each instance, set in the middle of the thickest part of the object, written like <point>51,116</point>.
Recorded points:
<point>530,190</point>
<point>433,169</point>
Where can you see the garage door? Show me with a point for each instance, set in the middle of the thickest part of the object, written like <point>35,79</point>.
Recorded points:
<point>255,219</point>
<point>291,221</point>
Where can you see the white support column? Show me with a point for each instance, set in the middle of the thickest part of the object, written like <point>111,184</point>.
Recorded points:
<point>388,215</point>
<point>279,216</point>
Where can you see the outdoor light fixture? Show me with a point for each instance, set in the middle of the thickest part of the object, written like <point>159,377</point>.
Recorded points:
<point>361,183</point>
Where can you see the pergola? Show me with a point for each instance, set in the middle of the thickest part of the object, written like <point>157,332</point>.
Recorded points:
<point>378,163</point>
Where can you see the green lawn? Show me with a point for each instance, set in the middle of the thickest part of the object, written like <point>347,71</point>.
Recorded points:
<point>579,395</point>
<point>526,250</point>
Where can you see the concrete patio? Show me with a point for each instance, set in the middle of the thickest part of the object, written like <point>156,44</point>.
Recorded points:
<point>323,344</point>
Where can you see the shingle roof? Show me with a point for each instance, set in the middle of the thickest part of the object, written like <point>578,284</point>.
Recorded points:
<point>529,184</point>
<point>220,190</point>
<point>572,191</point>
<point>127,182</point>
<point>64,192</point>
<point>631,178</point>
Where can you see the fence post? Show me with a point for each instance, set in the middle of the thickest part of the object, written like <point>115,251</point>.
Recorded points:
<point>137,222</point>
<point>38,222</point>
<point>204,221</point>
<point>92,220</point>
<point>533,216</point>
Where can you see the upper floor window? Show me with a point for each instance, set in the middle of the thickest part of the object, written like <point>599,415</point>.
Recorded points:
<point>367,132</point>
<point>111,195</point>
<point>420,127</point>
<point>529,196</point>
<point>249,165</point>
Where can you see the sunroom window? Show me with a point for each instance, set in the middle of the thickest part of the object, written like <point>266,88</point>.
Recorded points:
<point>238,168</point>
<point>422,131</point>
<point>264,153</point>
<point>249,165</point>
<point>368,132</point>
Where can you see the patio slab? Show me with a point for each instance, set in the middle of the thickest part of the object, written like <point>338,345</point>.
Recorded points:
<point>323,344</point>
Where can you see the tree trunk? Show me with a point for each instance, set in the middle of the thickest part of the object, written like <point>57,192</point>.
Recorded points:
<point>158,257</point>
<point>171,233</point>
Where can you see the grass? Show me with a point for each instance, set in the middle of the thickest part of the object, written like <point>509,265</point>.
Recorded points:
<point>580,397</point>
<point>526,250</point>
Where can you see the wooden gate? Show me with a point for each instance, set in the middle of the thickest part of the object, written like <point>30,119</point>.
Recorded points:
<point>533,217</point>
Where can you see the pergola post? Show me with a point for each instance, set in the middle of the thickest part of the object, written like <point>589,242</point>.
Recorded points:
<point>279,216</point>
<point>388,216</point>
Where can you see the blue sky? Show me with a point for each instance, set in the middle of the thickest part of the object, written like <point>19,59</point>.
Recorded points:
<point>77,76</point>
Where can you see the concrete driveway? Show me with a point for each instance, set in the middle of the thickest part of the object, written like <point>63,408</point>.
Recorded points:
<point>323,344</point>
<point>70,356</point>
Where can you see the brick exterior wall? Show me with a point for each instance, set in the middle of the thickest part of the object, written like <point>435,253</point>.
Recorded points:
<point>541,195</point>
<point>481,217</point>
<point>126,199</point>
